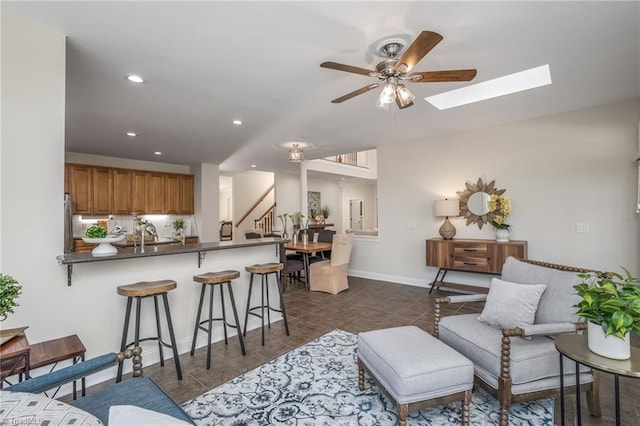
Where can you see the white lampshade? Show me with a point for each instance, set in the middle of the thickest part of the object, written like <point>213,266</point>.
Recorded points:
<point>446,208</point>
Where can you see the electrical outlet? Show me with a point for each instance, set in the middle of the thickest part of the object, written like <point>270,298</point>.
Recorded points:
<point>582,227</point>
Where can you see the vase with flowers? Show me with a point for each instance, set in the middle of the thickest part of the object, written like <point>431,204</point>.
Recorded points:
<point>283,220</point>
<point>500,207</point>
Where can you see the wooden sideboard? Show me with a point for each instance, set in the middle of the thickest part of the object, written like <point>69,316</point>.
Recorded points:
<point>471,255</point>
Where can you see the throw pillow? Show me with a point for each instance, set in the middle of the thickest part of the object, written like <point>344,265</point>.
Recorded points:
<point>509,305</point>
<point>127,415</point>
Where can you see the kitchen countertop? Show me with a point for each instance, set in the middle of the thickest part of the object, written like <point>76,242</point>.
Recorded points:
<point>165,249</point>
<point>71,259</point>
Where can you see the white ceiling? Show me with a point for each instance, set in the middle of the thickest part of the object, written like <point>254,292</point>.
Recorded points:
<point>207,63</point>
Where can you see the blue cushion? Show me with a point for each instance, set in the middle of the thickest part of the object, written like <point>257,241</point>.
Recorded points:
<point>138,391</point>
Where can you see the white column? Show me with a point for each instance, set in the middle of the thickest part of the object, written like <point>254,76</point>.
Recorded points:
<point>304,205</point>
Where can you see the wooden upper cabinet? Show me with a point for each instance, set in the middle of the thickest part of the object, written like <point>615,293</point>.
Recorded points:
<point>80,178</point>
<point>156,193</point>
<point>102,190</point>
<point>122,191</point>
<point>173,198</point>
<point>138,192</point>
<point>106,190</point>
<point>187,194</point>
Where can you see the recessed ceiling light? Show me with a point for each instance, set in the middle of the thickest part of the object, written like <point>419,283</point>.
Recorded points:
<point>253,166</point>
<point>132,134</point>
<point>512,83</point>
<point>157,153</point>
<point>135,78</point>
<point>237,122</point>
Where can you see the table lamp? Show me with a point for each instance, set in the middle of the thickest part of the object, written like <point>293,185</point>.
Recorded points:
<point>445,208</point>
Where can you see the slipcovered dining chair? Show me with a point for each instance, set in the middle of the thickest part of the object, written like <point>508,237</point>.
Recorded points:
<point>330,275</point>
<point>511,342</point>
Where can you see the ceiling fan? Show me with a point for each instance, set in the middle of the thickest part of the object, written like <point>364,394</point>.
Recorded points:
<point>392,71</point>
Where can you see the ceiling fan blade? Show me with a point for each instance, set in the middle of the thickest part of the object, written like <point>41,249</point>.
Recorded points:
<point>442,76</point>
<point>360,91</point>
<point>426,41</point>
<point>347,68</point>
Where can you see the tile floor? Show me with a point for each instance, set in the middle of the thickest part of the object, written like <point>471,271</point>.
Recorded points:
<point>367,305</point>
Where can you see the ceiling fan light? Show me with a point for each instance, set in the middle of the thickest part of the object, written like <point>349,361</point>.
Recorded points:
<point>405,97</point>
<point>388,94</point>
<point>296,155</point>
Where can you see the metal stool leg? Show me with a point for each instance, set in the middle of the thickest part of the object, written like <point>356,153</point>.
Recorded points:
<point>159,330</point>
<point>235,317</point>
<point>224,314</point>
<point>265,279</point>
<point>176,357</point>
<point>197,327</point>
<point>123,345</point>
<point>262,307</point>
<point>282,308</point>
<point>210,326</point>
<point>246,315</point>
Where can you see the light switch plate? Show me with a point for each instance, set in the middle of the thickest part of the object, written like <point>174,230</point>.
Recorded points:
<point>582,227</point>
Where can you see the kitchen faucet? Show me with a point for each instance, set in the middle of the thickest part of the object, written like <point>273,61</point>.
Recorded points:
<point>154,232</point>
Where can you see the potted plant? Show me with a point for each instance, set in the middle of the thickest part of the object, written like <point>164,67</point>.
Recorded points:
<point>611,305</point>
<point>325,211</point>
<point>501,206</point>
<point>9,292</point>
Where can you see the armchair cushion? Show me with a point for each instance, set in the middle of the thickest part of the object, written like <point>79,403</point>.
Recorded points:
<point>556,304</point>
<point>530,360</point>
<point>510,305</point>
<point>127,415</point>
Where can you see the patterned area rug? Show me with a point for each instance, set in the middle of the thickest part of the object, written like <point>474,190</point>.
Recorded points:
<point>317,384</point>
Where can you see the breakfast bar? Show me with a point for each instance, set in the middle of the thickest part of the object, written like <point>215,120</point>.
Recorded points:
<point>201,249</point>
<point>99,308</point>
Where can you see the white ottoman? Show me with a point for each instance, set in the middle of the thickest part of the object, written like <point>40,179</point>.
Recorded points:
<point>416,369</point>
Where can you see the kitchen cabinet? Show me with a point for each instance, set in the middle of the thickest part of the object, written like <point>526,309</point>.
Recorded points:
<point>173,196</point>
<point>80,246</point>
<point>186,189</point>
<point>81,188</point>
<point>156,193</point>
<point>121,191</point>
<point>138,192</point>
<point>102,191</point>
<point>191,240</point>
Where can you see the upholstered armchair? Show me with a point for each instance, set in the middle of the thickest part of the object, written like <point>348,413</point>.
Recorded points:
<point>137,394</point>
<point>520,363</point>
<point>330,275</point>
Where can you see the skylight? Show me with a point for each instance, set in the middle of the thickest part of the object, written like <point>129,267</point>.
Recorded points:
<point>512,83</point>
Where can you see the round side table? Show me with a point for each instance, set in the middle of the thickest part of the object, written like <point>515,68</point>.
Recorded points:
<point>575,347</point>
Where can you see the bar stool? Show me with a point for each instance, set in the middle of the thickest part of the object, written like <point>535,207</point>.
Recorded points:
<point>210,280</point>
<point>264,270</point>
<point>140,291</point>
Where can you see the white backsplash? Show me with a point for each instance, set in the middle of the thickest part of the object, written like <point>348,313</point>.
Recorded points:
<point>163,224</point>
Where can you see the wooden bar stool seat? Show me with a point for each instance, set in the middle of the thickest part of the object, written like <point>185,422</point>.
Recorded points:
<point>139,291</point>
<point>210,280</point>
<point>264,270</point>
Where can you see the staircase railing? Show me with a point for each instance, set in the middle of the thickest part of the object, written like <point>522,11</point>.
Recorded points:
<point>265,222</point>
<point>255,205</point>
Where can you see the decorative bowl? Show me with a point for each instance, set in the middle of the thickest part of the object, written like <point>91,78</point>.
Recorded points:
<point>104,248</point>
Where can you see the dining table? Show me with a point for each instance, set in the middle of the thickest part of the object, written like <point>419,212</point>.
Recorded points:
<point>306,250</point>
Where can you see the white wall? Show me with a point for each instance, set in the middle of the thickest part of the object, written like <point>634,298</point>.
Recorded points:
<point>32,184</point>
<point>206,200</point>
<point>248,187</point>
<point>287,193</point>
<point>558,170</point>
<point>125,163</point>
<point>226,198</point>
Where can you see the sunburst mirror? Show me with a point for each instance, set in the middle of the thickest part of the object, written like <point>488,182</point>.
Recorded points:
<point>474,202</point>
